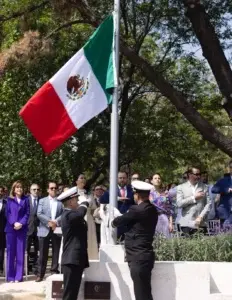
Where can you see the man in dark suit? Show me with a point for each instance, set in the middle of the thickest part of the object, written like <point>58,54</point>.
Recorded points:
<point>32,238</point>
<point>141,220</point>
<point>125,198</point>
<point>2,227</point>
<point>75,256</point>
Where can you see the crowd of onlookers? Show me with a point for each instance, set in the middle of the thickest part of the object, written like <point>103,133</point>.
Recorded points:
<point>29,222</point>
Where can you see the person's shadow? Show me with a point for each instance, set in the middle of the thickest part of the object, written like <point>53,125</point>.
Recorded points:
<point>117,274</point>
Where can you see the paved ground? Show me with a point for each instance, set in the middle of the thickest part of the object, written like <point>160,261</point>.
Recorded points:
<point>27,290</point>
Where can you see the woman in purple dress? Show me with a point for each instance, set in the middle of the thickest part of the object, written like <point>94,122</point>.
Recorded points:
<point>17,214</point>
<point>163,202</point>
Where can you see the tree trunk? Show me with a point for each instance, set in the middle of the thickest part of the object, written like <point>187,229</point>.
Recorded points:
<point>212,49</point>
<point>177,98</point>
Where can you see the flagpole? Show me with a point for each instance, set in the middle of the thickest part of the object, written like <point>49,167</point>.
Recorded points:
<point>114,124</point>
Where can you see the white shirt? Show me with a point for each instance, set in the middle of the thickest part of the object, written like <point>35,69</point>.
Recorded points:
<point>53,207</point>
<point>1,204</point>
<point>18,200</point>
<point>194,188</point>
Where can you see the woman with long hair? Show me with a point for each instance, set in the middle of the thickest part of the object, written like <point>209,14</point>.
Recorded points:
<point>92,236</point>
<point>161,198</point>
<point>17,214</point>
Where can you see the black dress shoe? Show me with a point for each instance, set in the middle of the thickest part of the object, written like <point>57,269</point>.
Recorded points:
<point>39,279</point>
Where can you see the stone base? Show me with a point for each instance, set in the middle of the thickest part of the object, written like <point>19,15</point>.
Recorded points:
<point>170,280</point>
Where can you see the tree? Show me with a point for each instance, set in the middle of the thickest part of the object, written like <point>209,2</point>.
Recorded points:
<point>34,47</point>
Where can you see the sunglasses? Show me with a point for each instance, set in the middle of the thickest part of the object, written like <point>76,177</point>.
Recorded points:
<point>53,188</point>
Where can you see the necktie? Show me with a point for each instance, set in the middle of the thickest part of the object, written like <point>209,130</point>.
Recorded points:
<point>123,194</point>
<point>34,204</point>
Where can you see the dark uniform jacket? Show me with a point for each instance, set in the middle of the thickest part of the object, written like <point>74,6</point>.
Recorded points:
<point>3,217</point>
<point>74,230</point>
<point>141,221</point>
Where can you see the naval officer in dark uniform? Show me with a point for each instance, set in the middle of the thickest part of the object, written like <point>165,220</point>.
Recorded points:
<point>74,229</point>
<point>141,220</point>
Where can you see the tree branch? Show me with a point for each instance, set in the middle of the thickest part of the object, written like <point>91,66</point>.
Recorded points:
<point>181,103</point>
<point>68,24</point>
<point>21,13</point>
<point>212,49</point>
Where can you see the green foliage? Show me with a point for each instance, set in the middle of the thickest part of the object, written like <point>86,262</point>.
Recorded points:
<point>199,248</point>
<point>153,135</point>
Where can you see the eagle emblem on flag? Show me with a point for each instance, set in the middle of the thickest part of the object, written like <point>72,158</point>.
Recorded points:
<point>77,87</point>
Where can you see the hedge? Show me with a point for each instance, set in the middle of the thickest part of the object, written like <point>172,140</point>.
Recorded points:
<point>198,248</point>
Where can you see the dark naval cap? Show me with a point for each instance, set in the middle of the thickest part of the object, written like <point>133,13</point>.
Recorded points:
<point>69,194</point>
<point>141,186</point>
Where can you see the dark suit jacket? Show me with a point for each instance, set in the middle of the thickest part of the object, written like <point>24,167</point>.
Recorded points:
<point>3,217</point>
<point>225,204</point>
<point>74,230</point>
<point>141,222</point>
<point>122,206</point>
<point>17,213</point>
<point>33,221</point>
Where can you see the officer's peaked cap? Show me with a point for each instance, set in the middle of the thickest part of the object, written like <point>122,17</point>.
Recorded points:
<point>70,193</point>
<point>142,186</point>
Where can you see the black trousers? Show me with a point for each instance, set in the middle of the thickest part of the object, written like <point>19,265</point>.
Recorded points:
<point>72,281</point>
<point>2,248</point>
<point>187,231</point>
<point>98,233</point>
<point>141,275</point>
<point>32,256</point>
<point>43,256</point>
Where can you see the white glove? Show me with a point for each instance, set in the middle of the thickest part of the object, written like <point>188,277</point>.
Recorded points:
<point>116,213</point>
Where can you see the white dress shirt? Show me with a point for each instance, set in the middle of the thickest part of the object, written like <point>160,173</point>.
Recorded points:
<point>1,204</point>
<point>53,207</point>
<point>18,200</point>
<point>194,188</point>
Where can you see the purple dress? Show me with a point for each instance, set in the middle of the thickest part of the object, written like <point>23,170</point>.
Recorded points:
<point>163,203</point>
<point>16,239</point>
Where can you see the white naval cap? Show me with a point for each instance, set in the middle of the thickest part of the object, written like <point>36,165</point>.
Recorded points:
<point>70,193</point>
<point>139,185</point>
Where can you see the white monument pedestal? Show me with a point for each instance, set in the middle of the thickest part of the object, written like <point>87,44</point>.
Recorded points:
<point>170,280</point>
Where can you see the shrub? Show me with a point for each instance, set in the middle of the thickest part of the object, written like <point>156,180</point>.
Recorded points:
<point>198,248</point>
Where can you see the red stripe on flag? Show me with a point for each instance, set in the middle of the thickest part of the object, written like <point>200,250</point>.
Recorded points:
<point>47,119</point>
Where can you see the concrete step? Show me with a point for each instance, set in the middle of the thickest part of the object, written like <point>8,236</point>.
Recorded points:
<point>220,296</point>
<point>26,290</point>
<point>21,296</point>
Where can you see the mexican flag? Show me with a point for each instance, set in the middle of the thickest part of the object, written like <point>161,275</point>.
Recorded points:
<point>79,91</point>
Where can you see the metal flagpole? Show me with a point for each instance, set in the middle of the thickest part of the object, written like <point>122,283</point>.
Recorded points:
<point>114,124</point>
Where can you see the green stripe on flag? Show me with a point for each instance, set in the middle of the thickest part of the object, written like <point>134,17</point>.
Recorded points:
<point>99,53</point>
